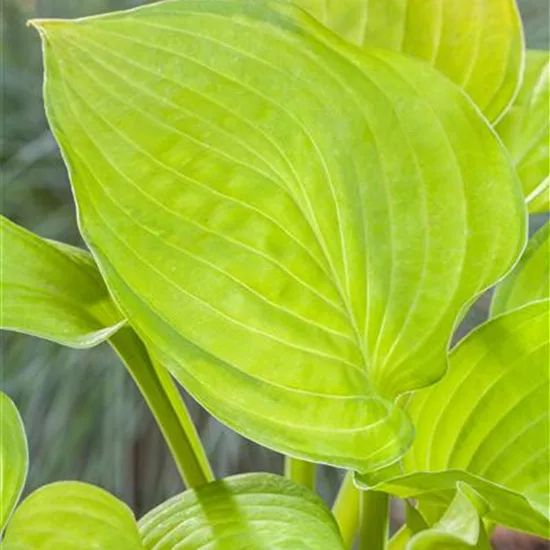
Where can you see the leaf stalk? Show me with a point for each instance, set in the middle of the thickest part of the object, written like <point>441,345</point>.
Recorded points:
<point>167,406</point>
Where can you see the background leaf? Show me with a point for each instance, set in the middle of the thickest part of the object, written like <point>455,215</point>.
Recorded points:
<point>525,130</point>
<point>465,433</point>
<point>530,279</point>
<point>255,511</point>
<point>73,516</point>
<point>252,245</point>
<point>479,44</point>
<point>53,290</point>
<point>14,458</point>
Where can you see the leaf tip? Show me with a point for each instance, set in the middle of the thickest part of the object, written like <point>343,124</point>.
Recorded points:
<point>44,25</point>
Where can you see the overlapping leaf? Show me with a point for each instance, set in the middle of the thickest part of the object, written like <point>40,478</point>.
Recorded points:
<point>460,528</point>
<point>52,290</point>
<point>487,424</point>
<point>256,511</point>
<point>55,291</point>
<point>292,225</point>
<point>525,130</point>
<point>478,44</point>
<point>14,458</point>
<point>73,516</point>
<point>530,279</point>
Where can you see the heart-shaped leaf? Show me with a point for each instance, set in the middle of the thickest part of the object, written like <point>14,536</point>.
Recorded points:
<point>53,291</point>
<point>530,279</point>
<point>271,211</point>
<point>479,45</point>
<point>73,516</point>
<point>525,130</point>
<point>486,423</point>
<point>460,528</point>
<point>255,511</point>
<point>14,458</point>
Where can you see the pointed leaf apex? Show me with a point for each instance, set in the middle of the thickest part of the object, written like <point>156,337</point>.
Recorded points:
<point>44,25</point>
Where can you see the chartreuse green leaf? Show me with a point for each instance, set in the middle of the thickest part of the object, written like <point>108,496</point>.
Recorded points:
<point>73,516</point>
<point>56,291</point>
<point>52,290</point>
<point>530,279</point>
<point>14,458</point>
<point>254,511</point>
<point>461,526</point>
<point>486,423</point>
<point>270,210</point>
<point>525,130</point>
<point>479,45</point>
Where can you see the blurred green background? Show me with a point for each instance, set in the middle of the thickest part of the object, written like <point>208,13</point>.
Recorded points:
<point>84,418</point>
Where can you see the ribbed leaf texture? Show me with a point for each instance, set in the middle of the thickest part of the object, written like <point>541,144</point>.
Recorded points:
<point>291,225</point>
<point>478,44</point>
<point>53,291</point>
<point>72,516</point>
<point>525,130</point>
<point>253,511</point>
<point>487,424</point>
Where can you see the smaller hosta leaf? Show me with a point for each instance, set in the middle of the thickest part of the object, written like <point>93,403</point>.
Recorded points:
<point>461,526</point>
<point>53,291</point>
<point>14,458</point>
<point>530,279</point>
<point>525,130</point>
<point>73,516</point>
<point>486,423</point>
<point>478,45</point>
<point>253,511</point>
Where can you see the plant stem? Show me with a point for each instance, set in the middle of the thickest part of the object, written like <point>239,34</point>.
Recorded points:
<point>374,521</point>
<point>301,471</point>
<point>167,406</point>
<point>346,510</point>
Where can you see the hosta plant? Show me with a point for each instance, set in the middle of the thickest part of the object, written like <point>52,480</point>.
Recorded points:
<point>289,207</point>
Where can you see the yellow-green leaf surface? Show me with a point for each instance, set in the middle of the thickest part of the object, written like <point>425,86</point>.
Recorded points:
<point>477,43</point>
<point>52,290</point>
<point>14,458</point>
<point>73,516</point>
<point>55,291</point>
<point>253,511</point>
<point>525,130</point>
<point>530,279</point>
<point>292,225</point>
<point>486,424</point>
<point>460,528</point>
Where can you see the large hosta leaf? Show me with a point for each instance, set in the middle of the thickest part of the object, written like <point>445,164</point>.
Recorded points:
<point>255,511</point>
<point>53,290</point>
<point>486,424</point>
<point>478,44</point>
<point>291,224</point>
<point>525,130</point>
<point>530,279</point>
<point>73,516</point>
<point>14,458</point>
